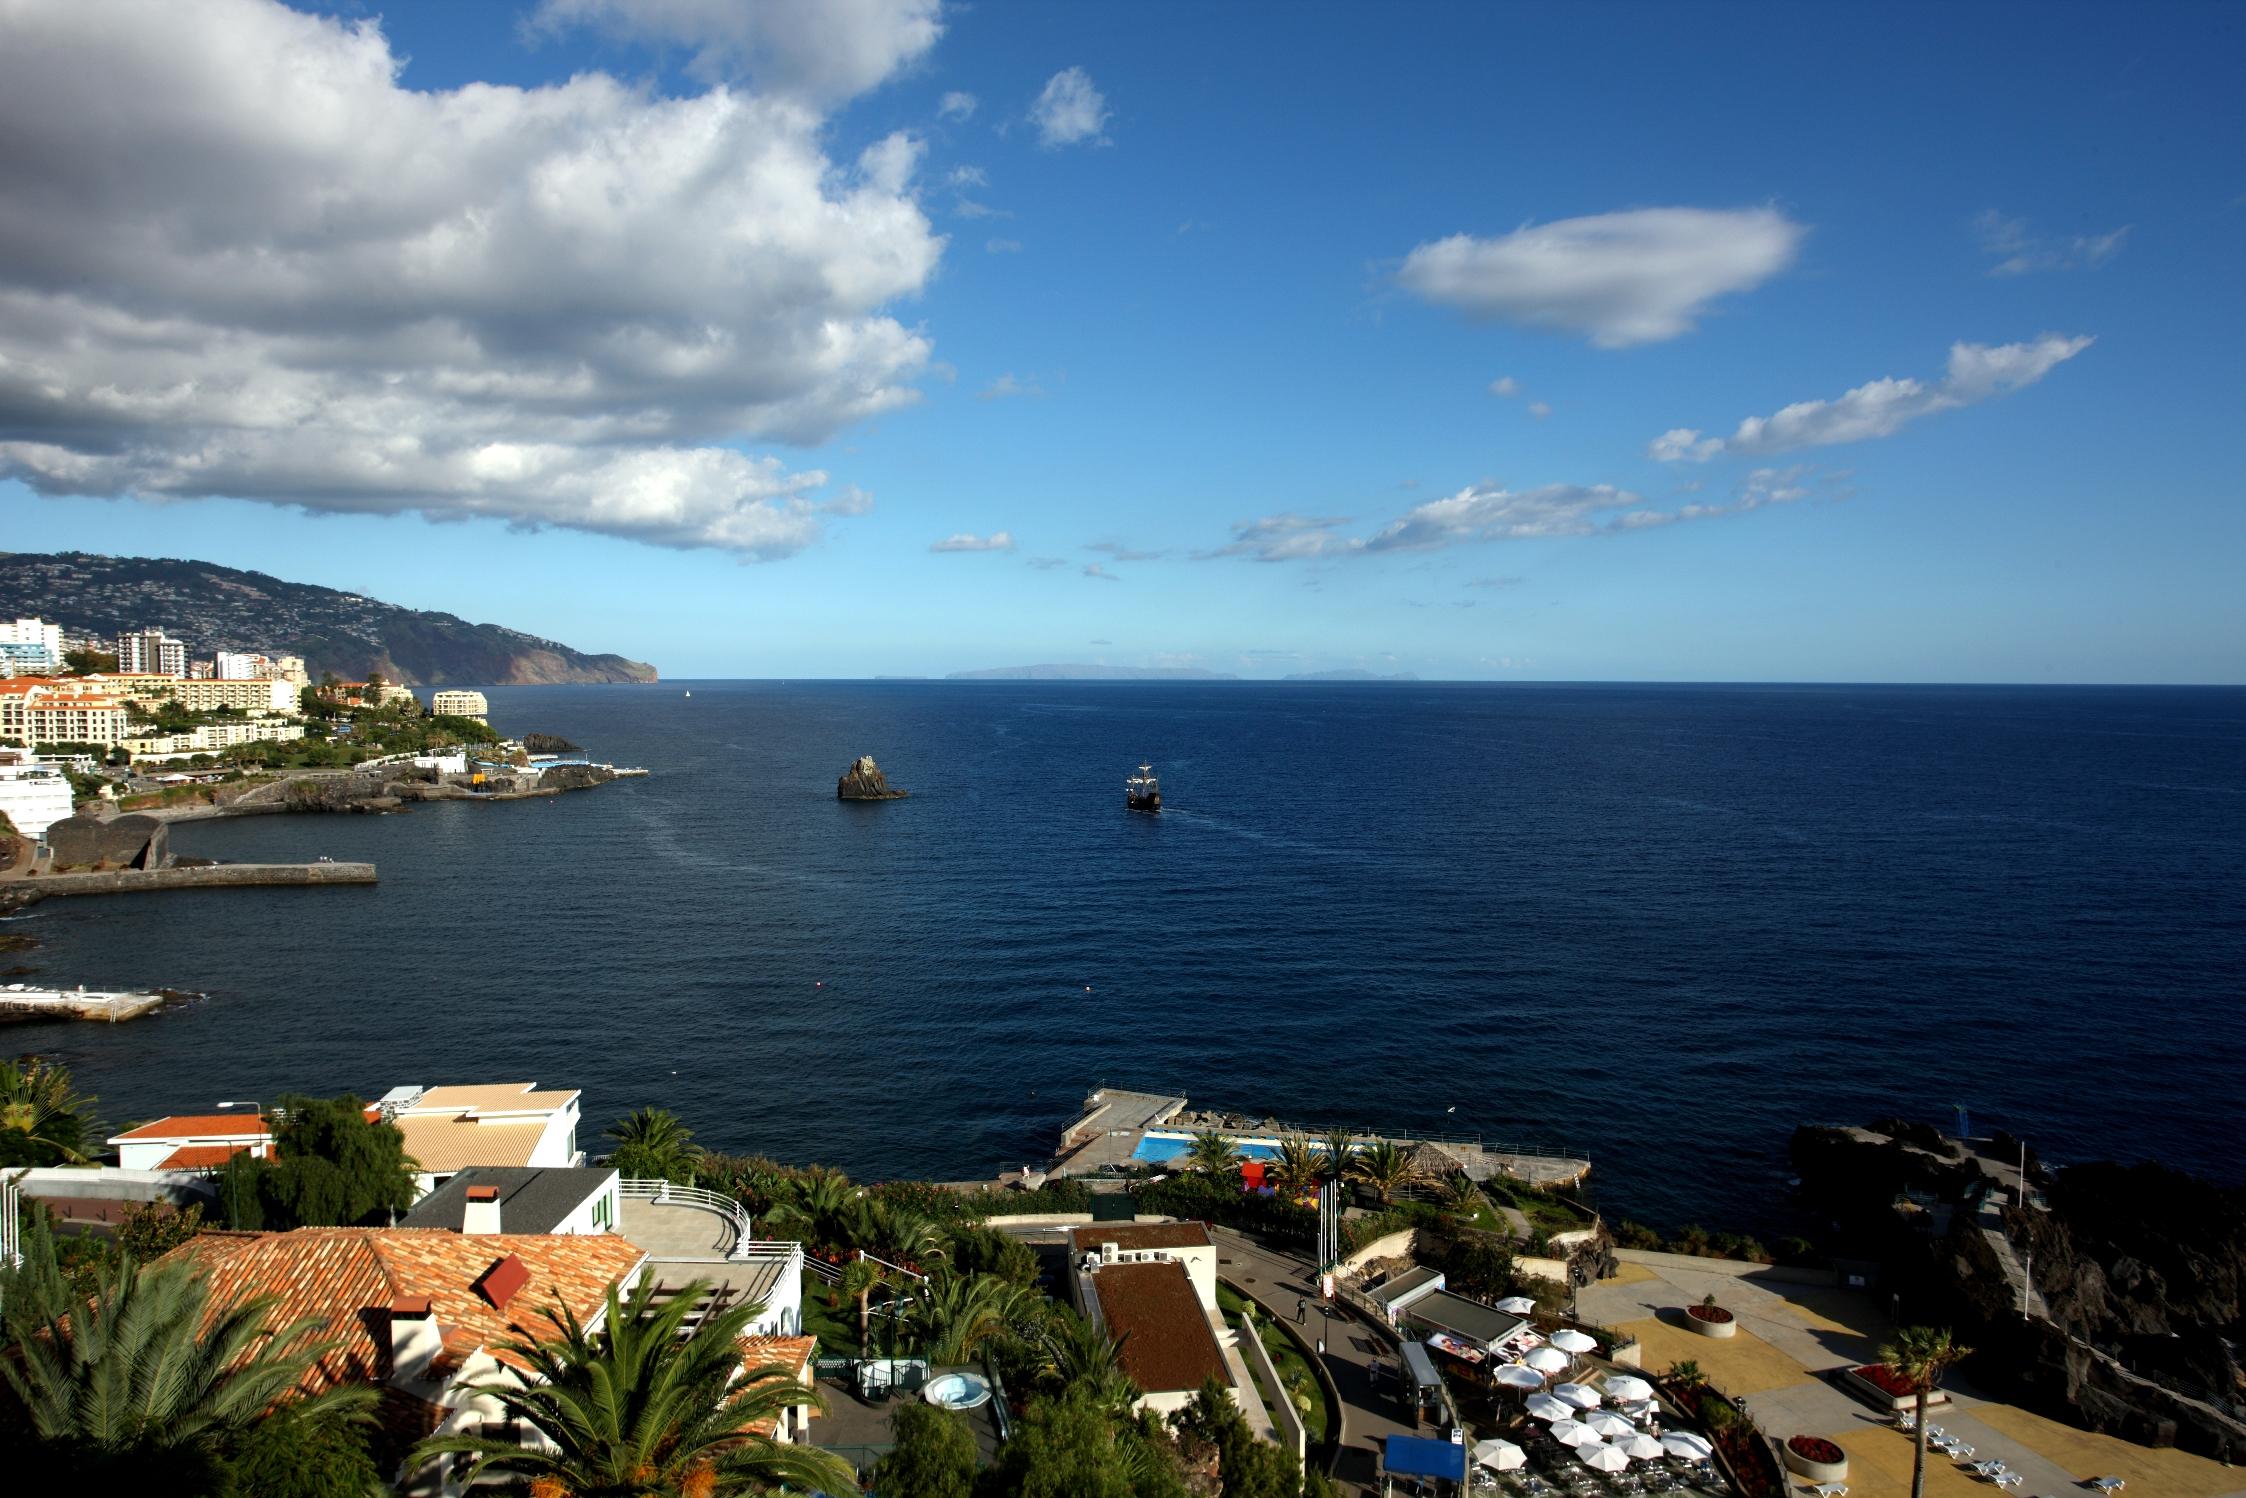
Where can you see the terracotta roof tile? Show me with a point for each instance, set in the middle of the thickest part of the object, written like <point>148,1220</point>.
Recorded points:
<point>194,1126</point>
<point>446,1142</point>
<point>348,1278</point>
<point>495,1097</point>
<point>1167,1345</point>
<point>200,1156</point>
<point>791,1353</point>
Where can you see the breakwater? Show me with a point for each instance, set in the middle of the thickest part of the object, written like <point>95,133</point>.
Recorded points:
<point>208,876</point>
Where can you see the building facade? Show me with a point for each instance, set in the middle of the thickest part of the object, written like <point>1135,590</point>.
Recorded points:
<point>458,704</point>
<point>33,796</point>
<point>30,647</point>
<point>151,651</point>
<point>209,738</point>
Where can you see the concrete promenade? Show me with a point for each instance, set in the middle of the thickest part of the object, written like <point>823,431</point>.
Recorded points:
<point>25,891</point>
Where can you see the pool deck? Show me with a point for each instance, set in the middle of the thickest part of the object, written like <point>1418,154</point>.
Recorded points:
<point>1107,1135</point>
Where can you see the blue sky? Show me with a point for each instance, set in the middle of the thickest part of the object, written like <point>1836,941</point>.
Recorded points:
<point>1229,303</point>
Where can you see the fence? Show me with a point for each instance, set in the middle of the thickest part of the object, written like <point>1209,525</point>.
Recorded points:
<point>671,1194</point>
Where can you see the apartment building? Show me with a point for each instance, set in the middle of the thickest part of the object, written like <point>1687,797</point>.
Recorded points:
<point>151,651</point>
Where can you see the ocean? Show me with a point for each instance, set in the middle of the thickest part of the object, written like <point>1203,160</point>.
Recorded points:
<point>1658,926</point>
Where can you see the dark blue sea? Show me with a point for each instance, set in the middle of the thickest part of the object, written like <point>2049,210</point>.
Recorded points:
<point>1657,925</point>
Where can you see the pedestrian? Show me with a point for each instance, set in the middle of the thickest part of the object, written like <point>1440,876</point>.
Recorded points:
<point>1302,1311</point>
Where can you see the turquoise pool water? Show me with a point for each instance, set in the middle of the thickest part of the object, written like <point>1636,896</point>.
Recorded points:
<point>1160,1148</point>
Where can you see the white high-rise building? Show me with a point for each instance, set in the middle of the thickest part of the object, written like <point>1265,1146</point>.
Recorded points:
<point>151,652</point>
<point>30,647</point>
<point>243,665</point>
<point>453,704</point>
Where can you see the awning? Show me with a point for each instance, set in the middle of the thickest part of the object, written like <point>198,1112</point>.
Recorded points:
<point>1417,1456</point>
<point>1419,1368</point>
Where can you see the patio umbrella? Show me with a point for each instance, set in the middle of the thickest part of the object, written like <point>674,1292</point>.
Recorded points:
<point>1582,1396</point>
<point>1602,1458</point>
<point>1690,1445</point>
<point>1640,1447</point>
<point>1627,1386</point>
<point>1608,1424</point>
<point>1568,1339</point>
<point>1574,1433</point>
<point>1517,1305</point>
<point>1545,1407</point>
<point>1547,1360</point>
<point>1502,1455</point>
<point>1519,1376</point>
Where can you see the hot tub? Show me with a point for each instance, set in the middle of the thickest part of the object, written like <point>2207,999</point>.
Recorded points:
<point>957,1391</point>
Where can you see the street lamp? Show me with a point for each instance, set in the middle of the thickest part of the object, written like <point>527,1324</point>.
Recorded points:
<point>252,1103</point>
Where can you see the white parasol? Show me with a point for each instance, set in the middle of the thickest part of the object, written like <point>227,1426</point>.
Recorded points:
<point>1517,1305</point>
<point>1627,1386</point>
<point>1502,1455</point>
<point>1568,1339</point>
<point>1640,1447</point>
<point>1690,1445</point>
<point>1574,1433</point>
<point>1545,1407</point>
<point>1519,1376</point>
<point>1582,1396</point>
<point>1608,1424</point>
<point>1547,1360</point>
<point>1602,1457</point>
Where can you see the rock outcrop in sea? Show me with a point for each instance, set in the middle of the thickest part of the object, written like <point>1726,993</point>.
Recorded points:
<point>863,781</point>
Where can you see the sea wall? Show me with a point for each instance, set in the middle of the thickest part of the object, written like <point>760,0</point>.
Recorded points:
<point>212,876</point>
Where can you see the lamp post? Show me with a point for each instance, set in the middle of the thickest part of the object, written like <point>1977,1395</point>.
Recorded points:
<point>251,1103</point>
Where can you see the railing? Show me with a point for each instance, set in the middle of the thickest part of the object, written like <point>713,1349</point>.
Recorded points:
<point>832,1274</point>
<point>671,1194</point>
<point>11,1241</point>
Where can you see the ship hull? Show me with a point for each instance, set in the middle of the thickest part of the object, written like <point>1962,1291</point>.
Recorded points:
<point>1143,803</point>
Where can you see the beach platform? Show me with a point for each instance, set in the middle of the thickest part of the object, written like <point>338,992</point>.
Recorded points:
<point>1106,1136</point>
<point>22,1002</point>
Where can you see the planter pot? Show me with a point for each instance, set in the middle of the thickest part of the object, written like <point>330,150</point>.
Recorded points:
<point>1712,1323</point>
<point>1815,1471</point>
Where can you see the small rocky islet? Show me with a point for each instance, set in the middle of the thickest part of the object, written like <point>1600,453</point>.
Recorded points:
<point>863,781</point>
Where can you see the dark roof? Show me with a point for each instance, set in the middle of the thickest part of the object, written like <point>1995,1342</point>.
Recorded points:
<point>531,1199</point>
<point>1131,1237</point>
<point>1167,1344</point>
<point>1397,1286</point>
<point>1468,1318</point>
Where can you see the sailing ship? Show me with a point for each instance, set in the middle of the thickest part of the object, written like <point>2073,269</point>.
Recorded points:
<point>1143,791</point>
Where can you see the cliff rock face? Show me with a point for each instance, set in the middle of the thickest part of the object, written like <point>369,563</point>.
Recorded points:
<point>863,781</point>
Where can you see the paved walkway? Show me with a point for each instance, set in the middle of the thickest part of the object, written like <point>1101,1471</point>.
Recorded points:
<point>1279,1283</point>
<point>1793,1336</point>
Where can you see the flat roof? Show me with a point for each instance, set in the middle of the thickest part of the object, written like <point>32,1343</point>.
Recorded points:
<point>531,1199</point>
<point>1482,1325</point>
<point>1135,1236</point>
<point>1167,1344</point>
<point>1399,1287</point>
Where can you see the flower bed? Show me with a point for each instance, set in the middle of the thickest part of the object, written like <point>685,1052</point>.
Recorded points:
<point>1712,1321</point>
<point>1815,1458</point>
<point>1887,1389</point>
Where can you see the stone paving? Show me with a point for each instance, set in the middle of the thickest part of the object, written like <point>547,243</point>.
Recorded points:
<point>1792,1336</point>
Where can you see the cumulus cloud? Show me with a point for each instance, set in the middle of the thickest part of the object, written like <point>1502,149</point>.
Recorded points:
<point>263,269</point>
<point>1008,386</point>
<point>1491,512</point>
<point>818,49</point>
<point>2020,251</point>
<point>1285,538</point>
<point>1505,387</point>
<point>1069,110</point>
<point>1539,409</point>
<point>966,541</point>
<point>1976,372</point>
<point>956,105</point>
<point>1640,276</point>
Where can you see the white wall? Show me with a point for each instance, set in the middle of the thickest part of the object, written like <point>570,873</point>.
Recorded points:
<point>34,798</point>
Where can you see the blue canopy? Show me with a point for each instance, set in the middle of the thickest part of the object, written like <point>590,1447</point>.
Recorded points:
<point>1417,1456</point>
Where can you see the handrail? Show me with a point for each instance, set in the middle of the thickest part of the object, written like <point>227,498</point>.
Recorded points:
<point>670,1193</point>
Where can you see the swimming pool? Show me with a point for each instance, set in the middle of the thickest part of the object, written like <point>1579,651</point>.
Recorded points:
<point>1161,1148</point>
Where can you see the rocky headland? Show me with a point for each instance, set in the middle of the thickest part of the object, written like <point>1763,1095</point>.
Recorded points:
<point>2133,1277</point>
<point>863,781</point>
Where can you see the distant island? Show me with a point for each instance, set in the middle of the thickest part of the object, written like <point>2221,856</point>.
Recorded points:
<point>1349,675</point>
<point>222,608</point>
<point>1092,673</point>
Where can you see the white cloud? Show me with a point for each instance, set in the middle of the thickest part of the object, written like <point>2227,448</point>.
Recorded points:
<point>1540,409</point>
<point>1285,538</point>
<point>1505,387</point>
<point>1491,512</point>
<point>965,541</point>
<point>815,49</point>
<point>1640,276</point>
<point>956,106</point>
<point>1118,551</point>
<point>1048,564</point>
<point>1002,246</point>
<point>1069,110</point>
<point>1094,569</point>
<point>265,270</point>
<point>1977,372</point>
<point>2019,251</point>
<point>1007,386</point>
<point>1683,445</point>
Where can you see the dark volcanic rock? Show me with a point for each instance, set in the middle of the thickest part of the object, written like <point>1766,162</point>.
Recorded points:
<point>863,781</point>
<point>128,842</point>
<point>549,743</point>
<point>575,777</point>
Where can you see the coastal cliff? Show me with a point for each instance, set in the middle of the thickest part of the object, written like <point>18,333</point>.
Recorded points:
<point>2134,1277</point>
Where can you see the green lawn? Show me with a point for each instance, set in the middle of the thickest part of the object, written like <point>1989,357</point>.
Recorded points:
<point>1294,1367</point>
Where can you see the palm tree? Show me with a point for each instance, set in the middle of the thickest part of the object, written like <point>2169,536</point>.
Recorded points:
<point>1335,1150</point>
<point>1296,1167</point>
<point>42,1120</point>
<point>860,1278</point>
<point>643,1406</point>
<point>652,1145</point>
<point>821,1200</point>
<point>1920,1355</point>
<point>1212,1152</point>
<point>953,1315</point>
<point>1079,1353</point>
<point>1461,1195</point>
<point>1382,1166</point>
<point>149,1376</point>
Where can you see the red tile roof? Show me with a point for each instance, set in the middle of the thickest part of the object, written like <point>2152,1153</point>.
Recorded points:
<point>196,1126</point>
<point>349,1278</point>
<point>201,1156</point>
<point>793,1354</point>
